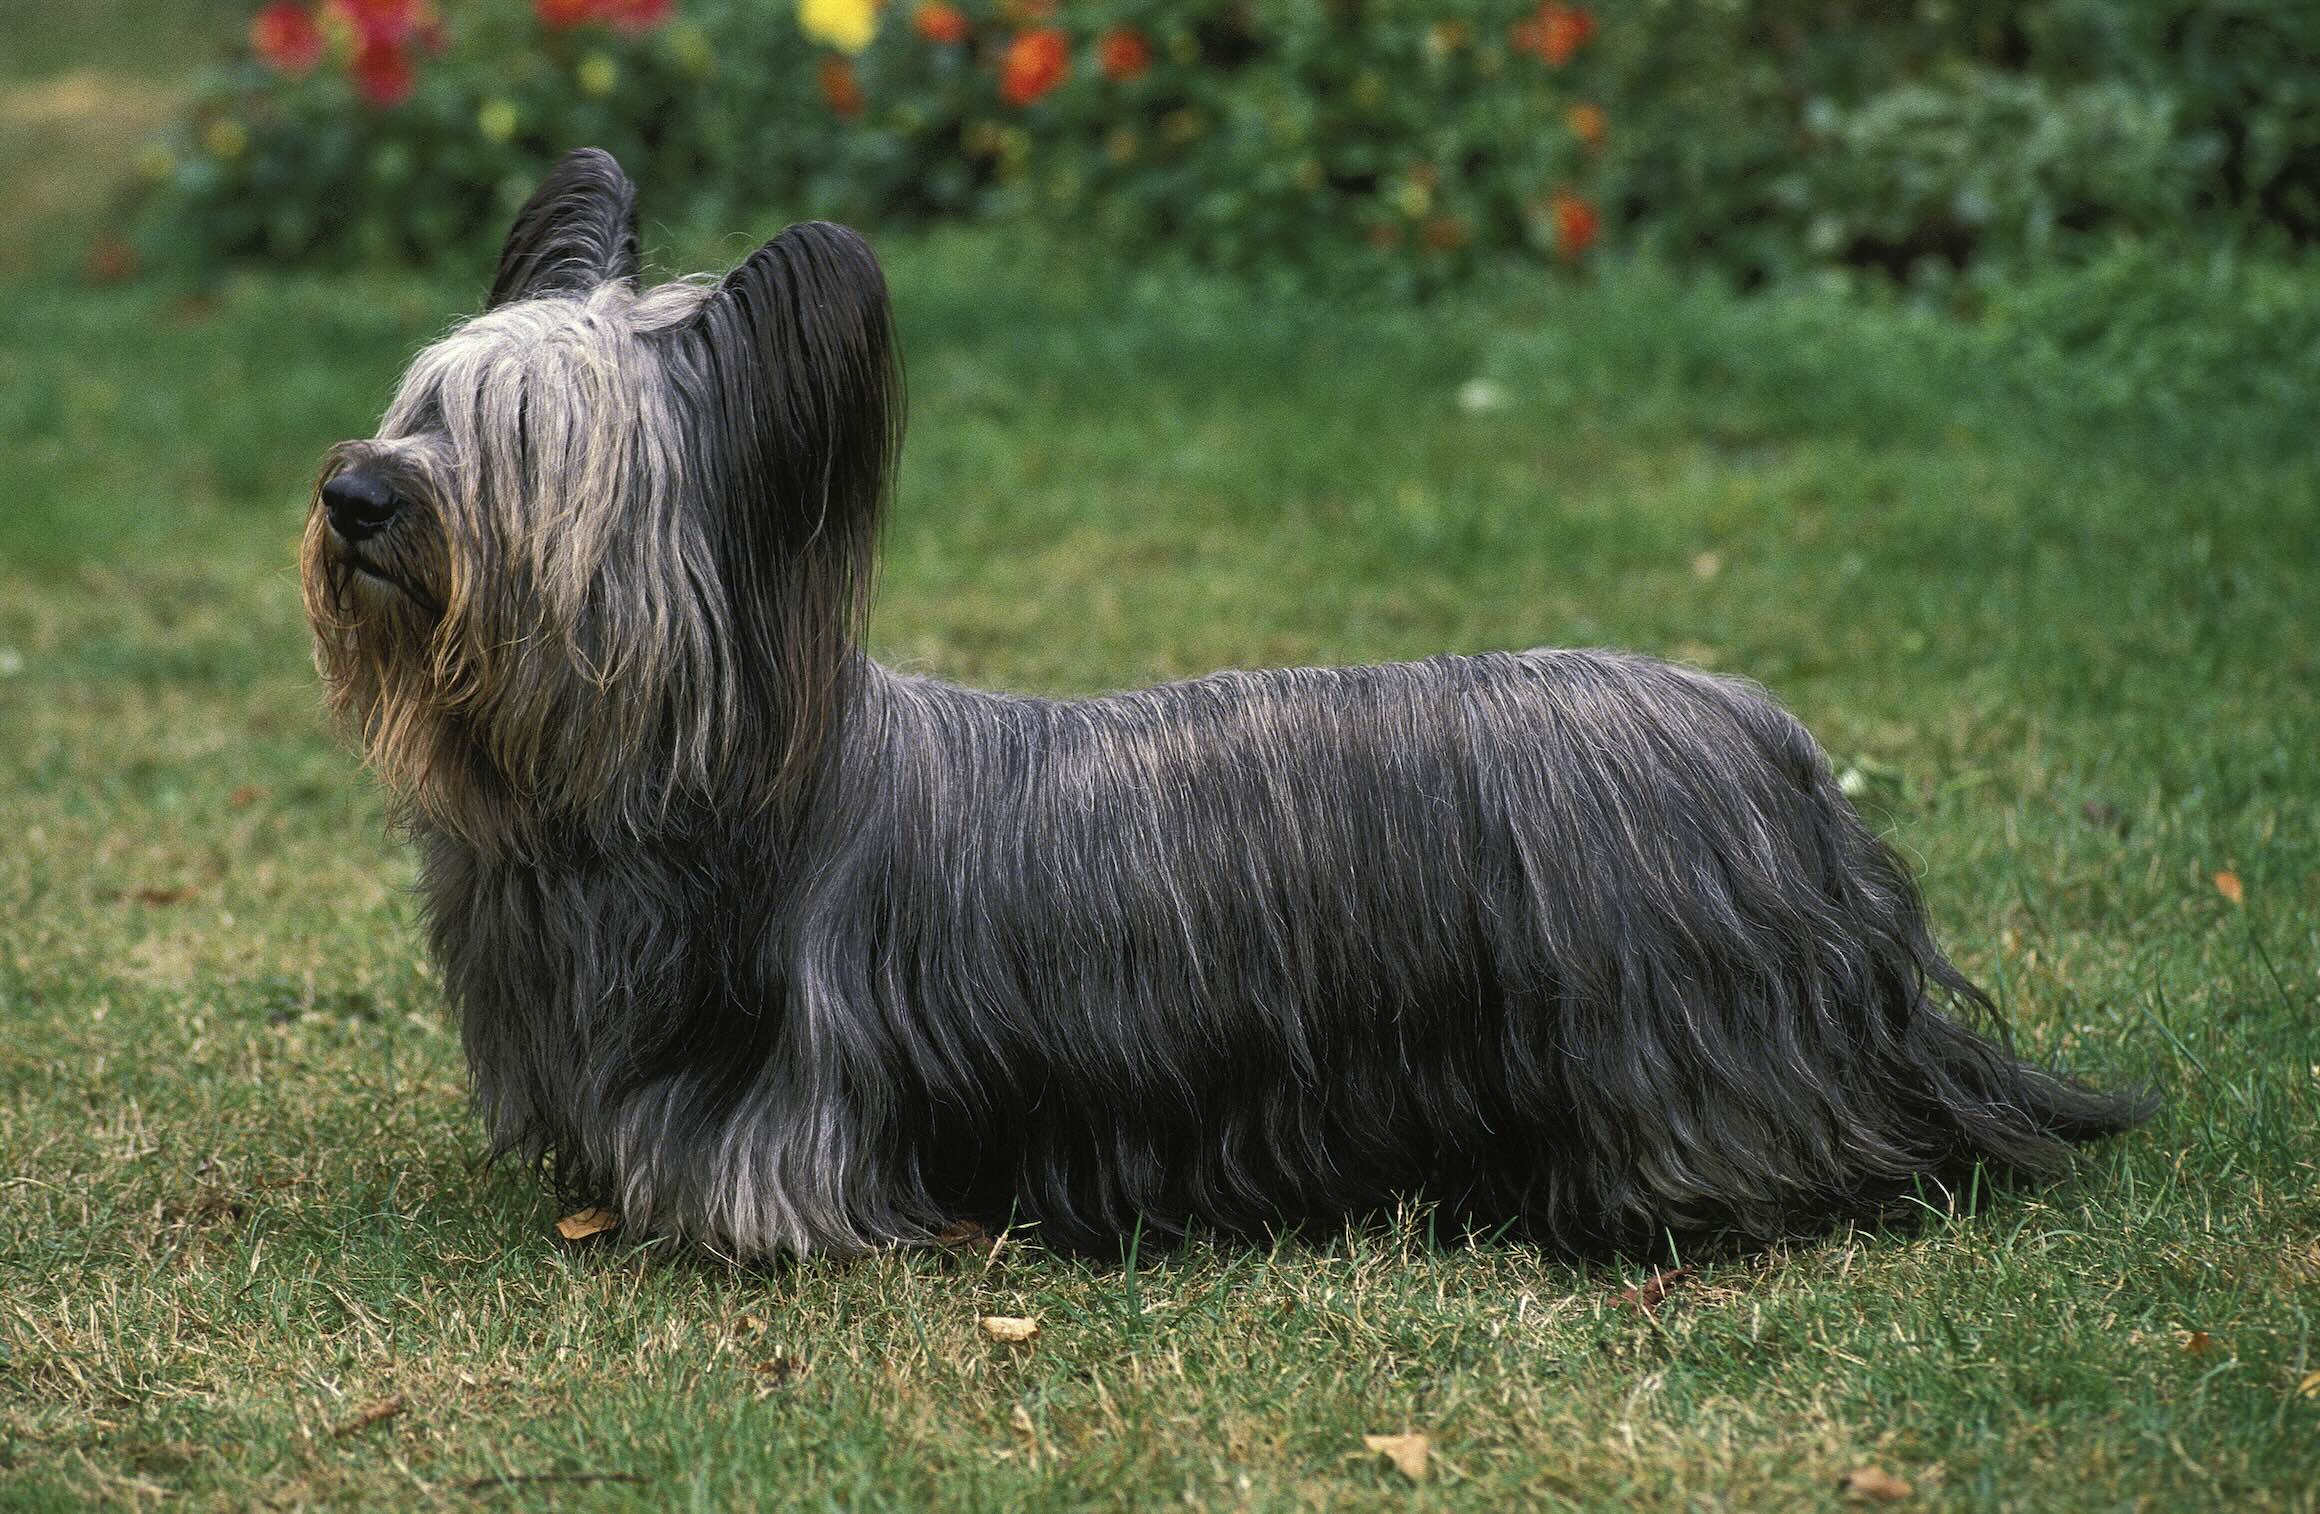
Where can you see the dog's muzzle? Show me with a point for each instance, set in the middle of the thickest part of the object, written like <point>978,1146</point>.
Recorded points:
<point>360,505</point>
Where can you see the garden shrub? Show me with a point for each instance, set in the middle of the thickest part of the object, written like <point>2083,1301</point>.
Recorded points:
<point>1929,139</point>
<point>1378,141</point>
<point>1386,144</point>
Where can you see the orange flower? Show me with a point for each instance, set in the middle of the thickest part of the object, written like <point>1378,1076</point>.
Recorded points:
<point>1589,124</point>
<point>1555,33</point>
<point>287,37</point>
<point>1124,54</point>
<point>1036,62</point>
<point>1576,225</point>
<point>840,88</point>
<point>941,23</point>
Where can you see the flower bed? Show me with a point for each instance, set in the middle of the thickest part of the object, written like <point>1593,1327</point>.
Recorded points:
<point>1341,140</point>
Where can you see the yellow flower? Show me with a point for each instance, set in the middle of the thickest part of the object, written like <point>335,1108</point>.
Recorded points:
<point>226,138</point>
<point>598,75</point>
<point>847,25</point>
<point>496,120</point>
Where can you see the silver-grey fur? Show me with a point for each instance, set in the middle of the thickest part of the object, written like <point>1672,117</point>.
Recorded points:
<point>785,952</point>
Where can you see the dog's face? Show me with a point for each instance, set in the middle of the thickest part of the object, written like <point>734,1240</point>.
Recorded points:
<point>606,553</point>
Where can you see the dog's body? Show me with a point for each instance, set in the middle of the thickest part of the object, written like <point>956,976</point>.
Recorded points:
<point>785,952</point>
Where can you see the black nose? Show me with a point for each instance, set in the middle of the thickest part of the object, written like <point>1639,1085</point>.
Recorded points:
<point>359,504</point>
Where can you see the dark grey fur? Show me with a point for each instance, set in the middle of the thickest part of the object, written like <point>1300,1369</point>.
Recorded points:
<point>785,952</point>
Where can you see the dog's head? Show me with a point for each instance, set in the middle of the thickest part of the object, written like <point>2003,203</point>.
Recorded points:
<point>607,556</point>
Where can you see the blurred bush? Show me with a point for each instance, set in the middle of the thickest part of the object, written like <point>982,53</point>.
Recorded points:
<point>1940,139</point>
<point>1377,142</point>
<point>1386,143</point>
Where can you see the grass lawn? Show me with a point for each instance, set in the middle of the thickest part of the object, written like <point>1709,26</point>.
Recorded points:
<point>2072,653</point>
<point>2066,632</point>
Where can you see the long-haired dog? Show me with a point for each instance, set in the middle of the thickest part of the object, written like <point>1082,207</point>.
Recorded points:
<point>783,951</point>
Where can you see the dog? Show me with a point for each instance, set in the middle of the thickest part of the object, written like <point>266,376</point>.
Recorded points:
<point>783,952</point>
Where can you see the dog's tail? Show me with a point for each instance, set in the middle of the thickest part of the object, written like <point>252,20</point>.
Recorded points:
<point>1937,1040</point>
<point>1756,1030</point>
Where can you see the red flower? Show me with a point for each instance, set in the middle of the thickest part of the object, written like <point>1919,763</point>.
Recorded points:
<point>1555,33</point>
<point>840,88</point>
<point>286,36</point>
<point>1576,225</point>
<point>1036,62</point>
<point>940,23</point>
<point>636,15</point>
<point>380,21</point>
<point>382,72</point>
<point>1124,54</point>
<point>559,14</point>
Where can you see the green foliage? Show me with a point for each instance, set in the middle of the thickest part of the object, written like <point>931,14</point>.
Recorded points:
<point>1393,144</point>
<point>1771,137</point>
<point>304,168</point>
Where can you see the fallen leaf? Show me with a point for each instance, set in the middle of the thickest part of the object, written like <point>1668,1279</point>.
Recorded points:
<point>245,796</point>
<point>1707,565</point>
<point>1406,1452</point>
<point>753,1323</point>
<point>588,1222</point>
<point>369,1415</point>
<point>963,1235</point>
<point>775,1371</point>
<point>2227,884</point>
<point>161,896</point>
<point>2194,1342</point>
<point>1873,1485</point>
<point>1647,1296</point>
<point>1012,1329</point>
<point>2310,1386</point>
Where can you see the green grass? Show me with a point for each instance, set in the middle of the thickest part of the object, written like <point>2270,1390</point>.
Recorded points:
<point>2073,646</point>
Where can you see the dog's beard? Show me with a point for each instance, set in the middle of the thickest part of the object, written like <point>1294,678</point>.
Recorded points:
<point>384,647</point>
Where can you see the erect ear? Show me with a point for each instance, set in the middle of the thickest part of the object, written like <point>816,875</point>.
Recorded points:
<point>800,393</point>
<point>578,230</point>
<point>799,343</point>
